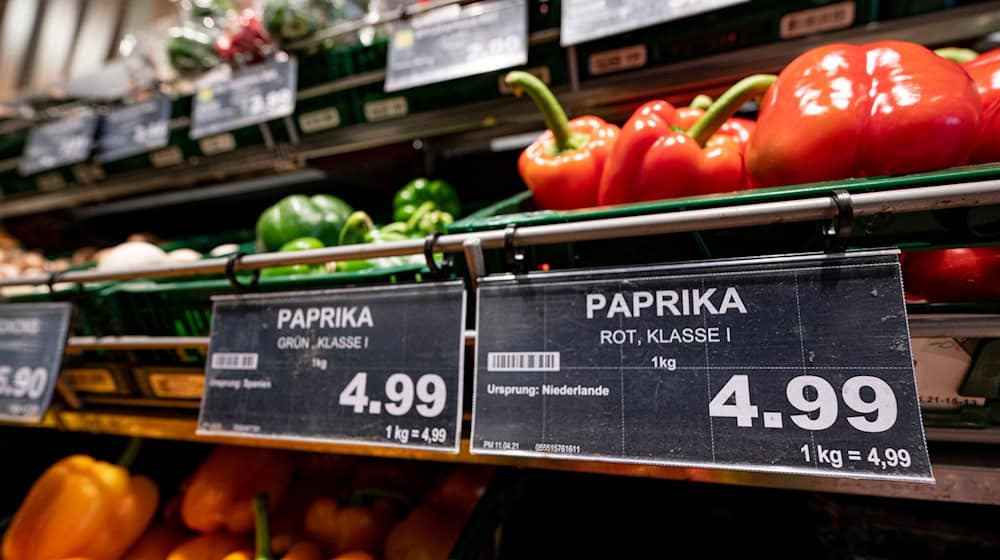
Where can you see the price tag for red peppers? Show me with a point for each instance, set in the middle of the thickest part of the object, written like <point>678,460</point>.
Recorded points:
<point>378,366</point>
<point>252,96</point>
<point>32,339</point>
<point>134,129</point>
<point>586,20</point>
<point>796,364</point>
<point>457,41</point>
<point>62,142</point>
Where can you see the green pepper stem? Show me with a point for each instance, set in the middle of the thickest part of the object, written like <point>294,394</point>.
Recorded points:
<point>131,453</point>
<point>548,105</point>
<point>701,101</point>
<point>956,54</point>
<point>727,105</point>
<point>262,550</point>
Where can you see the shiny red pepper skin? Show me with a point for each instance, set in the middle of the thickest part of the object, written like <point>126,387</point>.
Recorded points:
<point>568,180</point>
<point>651,160</point>
<point>985,71</point>
<point>884,108</point>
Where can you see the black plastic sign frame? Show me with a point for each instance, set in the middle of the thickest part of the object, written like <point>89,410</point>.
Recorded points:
<point>457,41</point>
<point>794,364</point>
<point>60,142</point>
<point>586,20</point>
<point>32,340</point>
<point>370,366</point>
<point>134,129</point>
<point>254,95</point>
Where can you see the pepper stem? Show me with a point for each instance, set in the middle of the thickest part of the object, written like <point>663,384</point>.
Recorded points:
<point>727,105</point>
<point>548,105</point>
<point>262,550</point>
<point>701,101</point>
<point>956,54</point>
<point>131,453</point>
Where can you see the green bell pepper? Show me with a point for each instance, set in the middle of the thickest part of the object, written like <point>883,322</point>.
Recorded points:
<point>418,191</point>
<point>428,219</point>
<point>190,50</point>
<point>291,20</point>
<point>359,228</point>
<point>300,244</point>
<point>321,216</point>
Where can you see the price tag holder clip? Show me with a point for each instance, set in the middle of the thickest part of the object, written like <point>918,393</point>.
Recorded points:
<point>234,280</point>
<point>838,231</point>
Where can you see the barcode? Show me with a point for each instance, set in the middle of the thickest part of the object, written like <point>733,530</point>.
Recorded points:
<point>522,361</point>
<point>234,360</point>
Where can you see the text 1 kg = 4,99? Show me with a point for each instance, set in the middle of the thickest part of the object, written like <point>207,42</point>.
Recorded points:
<point>376,366</point>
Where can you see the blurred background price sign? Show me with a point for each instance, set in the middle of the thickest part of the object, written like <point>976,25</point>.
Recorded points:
<point>32,339</point>
<point>254,95</point>
<point>457,41</point>
<point>377,366</point>
<point>61,142</point>
<point>134,129</point>
<point>797,364</point>
<point>586,20</point>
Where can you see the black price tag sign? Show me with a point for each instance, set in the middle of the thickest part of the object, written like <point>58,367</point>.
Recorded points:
<point>32,340</point>
<point>134,129</point>
<point>796,364</point>
<point>58,143</point>
<point>255,95</point>
<point>378,366</point>
<point>457,41</point>
<point>586,20</point>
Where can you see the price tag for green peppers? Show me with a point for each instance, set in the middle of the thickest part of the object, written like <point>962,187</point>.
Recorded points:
<point>374,366</point>
<point>32,339</point>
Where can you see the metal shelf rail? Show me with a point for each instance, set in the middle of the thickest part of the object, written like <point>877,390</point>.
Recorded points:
<point>962,478</point>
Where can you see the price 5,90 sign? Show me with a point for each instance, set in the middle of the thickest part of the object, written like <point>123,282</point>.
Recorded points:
<point>379,366</point>
<point>793,364</point>
<point>32,339</point>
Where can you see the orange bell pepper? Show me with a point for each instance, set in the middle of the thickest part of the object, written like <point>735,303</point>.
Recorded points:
<point>156,543</point>
<point>208,547</point>
<point>355,555</point>
<point>428,532</point>
<point>221,492</point>
<point>82,507</point>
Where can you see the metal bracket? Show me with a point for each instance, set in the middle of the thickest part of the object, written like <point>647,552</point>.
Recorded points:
<point>474,260</point>
<point>438,271</point>
<point>231,273</point>
<point>838,231</point>
<point>513,255</point>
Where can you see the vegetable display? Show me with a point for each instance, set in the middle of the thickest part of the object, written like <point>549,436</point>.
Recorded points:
<point>652,159</point>
<point>82,507</point>
<point>321,216</point>
<point>884,108</point>
<point>419,191</point>
<point>563,166</point>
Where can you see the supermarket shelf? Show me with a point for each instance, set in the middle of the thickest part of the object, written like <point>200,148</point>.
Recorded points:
<point>957,326</point>
<point>959,479</point>
<point>612,97</point>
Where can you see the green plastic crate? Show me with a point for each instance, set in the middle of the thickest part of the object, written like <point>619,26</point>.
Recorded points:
<point>744,25</point>
<point>93,314</point>
<point>910,230</point>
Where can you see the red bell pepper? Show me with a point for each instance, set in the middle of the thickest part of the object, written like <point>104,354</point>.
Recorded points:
<point>884,108</point>
<point>563,166</point>
<point>953,275</point>
<point>653,159</point>
<point>985,71</point>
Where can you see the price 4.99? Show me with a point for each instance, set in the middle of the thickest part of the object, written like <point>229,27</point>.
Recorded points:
<point>870,399</point>
<point>23,382</point>
<point>400,391</point>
